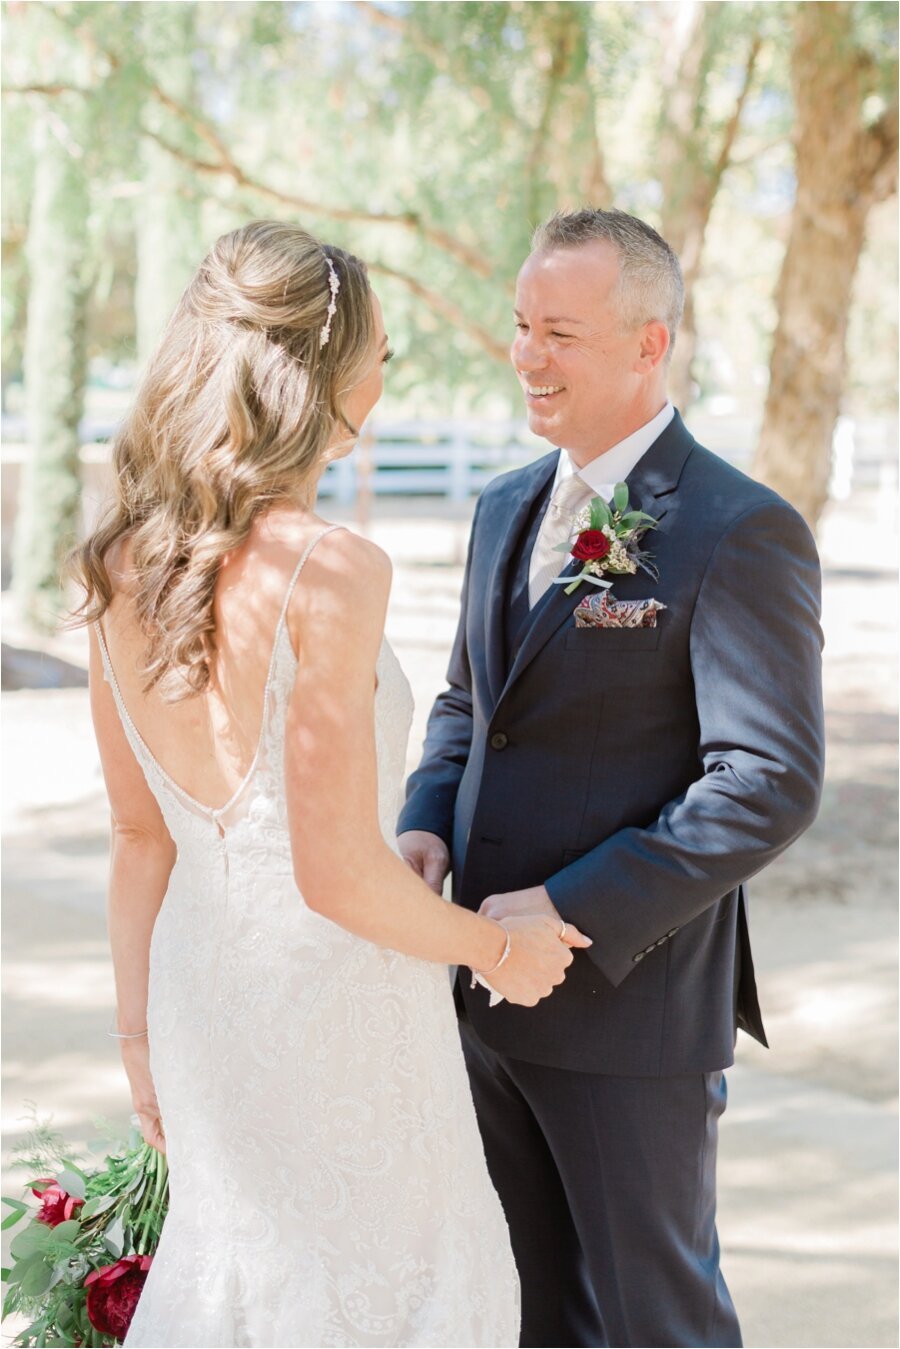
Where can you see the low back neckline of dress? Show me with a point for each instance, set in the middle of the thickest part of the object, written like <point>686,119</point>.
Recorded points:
<point>142,749</point>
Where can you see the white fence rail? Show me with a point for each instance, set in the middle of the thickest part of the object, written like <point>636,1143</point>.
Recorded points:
<point>452,459</point>
<point>455,459</point>
<point>449,459</point>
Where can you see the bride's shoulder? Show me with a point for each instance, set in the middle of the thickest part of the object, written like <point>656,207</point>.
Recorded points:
<point>350,569</point>
<point>344,576</point>
<point>339,610</point>
<point>335,554</point>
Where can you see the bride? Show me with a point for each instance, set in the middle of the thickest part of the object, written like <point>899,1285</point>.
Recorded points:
<point>283,1005</point>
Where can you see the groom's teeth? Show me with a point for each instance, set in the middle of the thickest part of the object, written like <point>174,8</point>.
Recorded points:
<point>544,389</point>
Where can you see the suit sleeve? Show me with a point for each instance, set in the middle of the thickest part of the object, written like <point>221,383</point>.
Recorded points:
<point>755,650</point>
<point>431,790</point>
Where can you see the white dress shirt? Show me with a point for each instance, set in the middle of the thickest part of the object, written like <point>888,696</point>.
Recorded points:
<point>602,473</point>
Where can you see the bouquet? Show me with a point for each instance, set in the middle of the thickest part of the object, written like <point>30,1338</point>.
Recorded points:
<point>80,1258</point>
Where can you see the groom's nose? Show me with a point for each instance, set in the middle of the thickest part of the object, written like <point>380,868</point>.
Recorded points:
<point>528,353</point>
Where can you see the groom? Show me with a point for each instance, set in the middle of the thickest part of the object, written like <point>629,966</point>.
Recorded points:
<point>629,780</point>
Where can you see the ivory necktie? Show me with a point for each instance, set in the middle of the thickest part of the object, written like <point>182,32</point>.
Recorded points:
<point>546,564</point>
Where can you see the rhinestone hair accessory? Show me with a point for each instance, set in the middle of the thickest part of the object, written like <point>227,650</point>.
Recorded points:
<point>334,285</point>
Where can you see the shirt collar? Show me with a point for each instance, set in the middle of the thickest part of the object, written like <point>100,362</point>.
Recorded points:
<point>602,473</point>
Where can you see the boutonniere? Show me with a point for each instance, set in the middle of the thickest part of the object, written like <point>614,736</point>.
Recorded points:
<point>606,538</point>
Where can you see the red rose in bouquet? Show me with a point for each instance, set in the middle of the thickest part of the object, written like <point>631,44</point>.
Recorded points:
<point>62,1280</point>
<point>113,1293</point>
<point>56,1206</point>
<point>592,545</point>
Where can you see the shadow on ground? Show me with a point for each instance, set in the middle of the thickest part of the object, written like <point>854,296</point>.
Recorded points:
<point>24,668</point>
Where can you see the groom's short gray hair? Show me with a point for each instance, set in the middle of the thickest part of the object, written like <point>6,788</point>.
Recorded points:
<point>650,284</point>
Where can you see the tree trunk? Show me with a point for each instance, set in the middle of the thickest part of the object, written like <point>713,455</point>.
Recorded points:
<point>565,167</point>
<point>842,168</point>
<point>168,211</point>
<point>690,166</point>
<point>55,371</point>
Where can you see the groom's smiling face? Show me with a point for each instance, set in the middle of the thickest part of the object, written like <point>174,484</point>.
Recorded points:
<point>588,380</point>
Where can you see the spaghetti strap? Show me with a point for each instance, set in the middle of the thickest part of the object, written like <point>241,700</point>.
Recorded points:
<point>329,529</point>
<point>110,676</point>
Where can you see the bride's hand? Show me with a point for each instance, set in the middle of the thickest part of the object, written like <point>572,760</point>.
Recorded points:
<point>538,959</point>
<point>136,1059</point>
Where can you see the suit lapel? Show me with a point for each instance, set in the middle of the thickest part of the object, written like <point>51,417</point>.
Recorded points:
<point>514,507</point>
<point>654,476</point>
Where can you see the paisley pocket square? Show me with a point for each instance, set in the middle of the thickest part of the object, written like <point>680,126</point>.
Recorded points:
<point>604,611</point>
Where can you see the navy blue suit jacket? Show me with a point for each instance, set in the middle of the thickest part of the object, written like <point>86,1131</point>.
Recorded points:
<point>641,775</point>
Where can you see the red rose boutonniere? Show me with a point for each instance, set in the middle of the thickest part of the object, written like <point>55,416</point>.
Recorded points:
<point>605,538</point>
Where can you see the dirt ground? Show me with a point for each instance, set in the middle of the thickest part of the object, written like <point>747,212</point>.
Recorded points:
<point>808,1208</point>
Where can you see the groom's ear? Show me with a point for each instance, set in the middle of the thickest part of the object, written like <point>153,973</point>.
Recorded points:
<point>654,343</point>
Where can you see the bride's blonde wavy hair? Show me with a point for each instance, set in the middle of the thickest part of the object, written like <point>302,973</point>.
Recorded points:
<point>238,411</point>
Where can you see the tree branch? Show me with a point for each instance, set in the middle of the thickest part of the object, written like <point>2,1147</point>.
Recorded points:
<point>439,56</point>
<point>684,70</point>
<point>436,54</point>
<point>224,163</point>
<point>560,58</point>
<point>879,168</point>
<point>734,121</point>
<point>446,309</point>
<point>737,161</point>
<point>473,260</point>
<point>198,125</point>
<point>49,90</point>
<point>439,304</point>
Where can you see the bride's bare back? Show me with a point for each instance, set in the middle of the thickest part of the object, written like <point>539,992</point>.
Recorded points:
<point>207,743</point>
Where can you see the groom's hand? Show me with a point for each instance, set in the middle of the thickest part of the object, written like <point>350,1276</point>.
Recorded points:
<point>517,902</point>
<point>428,856</point>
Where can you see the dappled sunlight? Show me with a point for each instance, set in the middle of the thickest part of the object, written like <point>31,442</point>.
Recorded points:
<point>808,1226</point>
<point>34,727</point>
<point>59,1079</point>
<point>86,986</point>
<point>830,1020</point>
<point>814,1301</point>
<point>82,1094</point>
<point>808,1213</point>
<point>826,1010</point>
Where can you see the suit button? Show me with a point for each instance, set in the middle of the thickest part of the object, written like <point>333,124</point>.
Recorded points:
<point>499,740</point>
<point>672,933</point>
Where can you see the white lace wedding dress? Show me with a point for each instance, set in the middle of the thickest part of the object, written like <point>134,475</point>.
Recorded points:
<point>328,1182</point>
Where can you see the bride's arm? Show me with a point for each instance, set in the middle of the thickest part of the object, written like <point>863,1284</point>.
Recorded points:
<point>142,855</point>
<point>343,867</point>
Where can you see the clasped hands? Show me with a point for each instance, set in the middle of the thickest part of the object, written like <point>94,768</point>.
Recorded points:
<point>541,943</point>
<point>537,926</point>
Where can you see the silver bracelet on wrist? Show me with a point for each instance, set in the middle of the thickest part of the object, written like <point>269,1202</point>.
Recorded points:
<point>135,1035</point>
<point>506,950</point>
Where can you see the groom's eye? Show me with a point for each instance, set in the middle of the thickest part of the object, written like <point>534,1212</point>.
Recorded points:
<point>560,334</point>
<point>522,327</point>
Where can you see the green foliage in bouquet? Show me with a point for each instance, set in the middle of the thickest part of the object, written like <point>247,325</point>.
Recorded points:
<point>81,1257</point>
